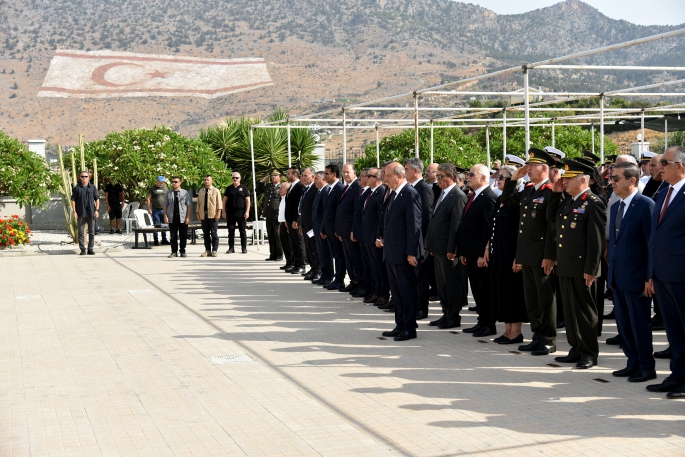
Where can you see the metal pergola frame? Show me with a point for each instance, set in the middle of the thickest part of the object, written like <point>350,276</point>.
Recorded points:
<point>466,117</point>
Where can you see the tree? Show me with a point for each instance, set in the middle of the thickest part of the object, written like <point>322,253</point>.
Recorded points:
<point>24,175</point>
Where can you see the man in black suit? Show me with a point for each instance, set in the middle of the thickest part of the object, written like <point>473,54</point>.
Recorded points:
<point>371,213</point>
<point>366,282</point>
<point>322,247</point>
<point>402,250</point>
<point>431,178</point>
<point>292,206</point>
<point>390,306</point>
<point>472,237</point>
<point>441,241</point>
<point>343,229</point>
<point>306,225</point>
<point>414,169</point>
<point>330,208</point>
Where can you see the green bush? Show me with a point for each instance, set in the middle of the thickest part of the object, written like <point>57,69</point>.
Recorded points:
<point>24,175</point>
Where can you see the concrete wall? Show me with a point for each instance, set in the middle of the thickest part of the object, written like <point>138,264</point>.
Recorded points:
<point>51,217</point>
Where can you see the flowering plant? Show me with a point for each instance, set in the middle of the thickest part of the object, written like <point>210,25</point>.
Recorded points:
<point>14,231</point>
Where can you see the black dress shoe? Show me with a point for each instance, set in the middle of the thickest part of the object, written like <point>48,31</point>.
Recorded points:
<point>406,335</point>
<point>437,322</point>
<point>269,259</point>
<point>473,329</point>
<point>296,270</point>
<point>316,276</point>
<point>544,350</point>
<point>421,315</point>
<point>287,268</point>
<point>561,324</point>
<point>530,346</point>
<point>156,243</point>
<point>91,252</point>
<point>448,323</point>
<point>325,283</point>
<point>230,251</point>
<point>677,393</point>
<point>434,298</point>
<point>244,250</point>
<point>386,306</point>
<point>625,372</point>
<point>665,354</point>
<point>351,286</point>
<point>391,309</point>
<point>507,340</point>
<point>500,338</point>
<point>83,252</point>
<point>335,286</point>
<point>614,340</point>
<point>585,364</point>
<point>393,333</point>
<point>485,331</point>
<point>307,277</point>
<point>568,359</point>
<point>381,301</point>
<point>473,308</point>
<point>667,385</point>
<point>359,293</point>
<point>642,376</point>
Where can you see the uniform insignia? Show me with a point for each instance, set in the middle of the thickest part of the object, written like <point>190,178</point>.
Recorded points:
<point>539,200</point>
<point>573,225</point>
<point>580,210</point>
<point>530,184</point>
<point>547,186</point>
<point>533,214</point>
<point>584,196</point>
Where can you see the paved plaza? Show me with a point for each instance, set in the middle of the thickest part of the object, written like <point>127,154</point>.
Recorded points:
<point>133,354</point>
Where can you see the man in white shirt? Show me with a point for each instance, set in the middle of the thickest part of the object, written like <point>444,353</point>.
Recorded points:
<point>283,227</point>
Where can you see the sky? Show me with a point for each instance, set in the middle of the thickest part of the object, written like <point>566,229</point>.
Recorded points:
<point>654,12</point>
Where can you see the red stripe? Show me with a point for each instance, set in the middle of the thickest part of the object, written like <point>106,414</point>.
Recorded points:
<point>162,59</point>
<point>171,91</point>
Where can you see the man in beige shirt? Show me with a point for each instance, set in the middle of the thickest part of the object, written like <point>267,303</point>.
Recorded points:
<point>209,213</point>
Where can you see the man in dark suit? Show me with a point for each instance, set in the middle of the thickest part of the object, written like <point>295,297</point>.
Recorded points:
<point>322,247</point>
<point>441,241</point>
<point>366,283</point>
<point>330,208</point>
<point>580,219</point>
<point>371,213</point>
<point>667,266</point>
<point>343,228</point>
<point>536,250</point>
<point>390,306</point>
<point>306,225</point>
<point>292,215</point>
<point>414,169</point>
<point>472,237</point>
<point>630,221</point>
<point>402,250</point>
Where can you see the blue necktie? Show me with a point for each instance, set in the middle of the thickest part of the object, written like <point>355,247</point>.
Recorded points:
<point>619,215</point>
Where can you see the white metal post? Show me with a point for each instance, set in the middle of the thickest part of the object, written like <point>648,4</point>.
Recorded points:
<point>526,107</point>
<point>665,133</point>
<point>290,163</point>
<point>601,127</point>
<point>344,155</point>
<point>378,148</point>
<point>592,131</point>
<point>553,133</point>
<point>504,134</point>
<point>642,136</point>
<point>431,141</point>
<point>487,142</point>
<point>416,124</point>
<point>254,188</point>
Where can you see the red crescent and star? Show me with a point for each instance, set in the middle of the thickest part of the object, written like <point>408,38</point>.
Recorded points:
<point>99,73</point>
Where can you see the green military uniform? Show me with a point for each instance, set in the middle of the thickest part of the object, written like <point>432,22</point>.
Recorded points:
<point>580,225</point>
<point>272,200</point>
<point>535,243</point>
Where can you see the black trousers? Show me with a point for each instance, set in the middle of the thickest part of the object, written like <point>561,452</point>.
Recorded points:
<point>464,278</point>
<point>233,220</point>
<point>601,282</point>
<point>84,221</point>
<point>297,248</point>
<point>538,290</point>
<point>581,321</point>
<point>672,303</point>
<point>285,243</point>
<point>557,294</point>
<point>338,255</point>
<point>211,239</point>
<point>402,278</point>
<point>432,280</point>
<point>480,289</point>
<point>353,259</point>
<point>367,280</point>
<point>176,231</point>
<point>448,278</point>
<point>423,274</point>
<point>378,270</point>
<point>325,258</point>
<point>312,250</point>
<point>275,249</point>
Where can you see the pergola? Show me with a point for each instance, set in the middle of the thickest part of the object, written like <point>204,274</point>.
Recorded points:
<point>464,117</point>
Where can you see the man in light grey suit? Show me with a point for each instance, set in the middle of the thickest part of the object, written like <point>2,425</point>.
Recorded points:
<point>441,241</point>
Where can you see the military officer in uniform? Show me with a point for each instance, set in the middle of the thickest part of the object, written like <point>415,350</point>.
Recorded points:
<point>580,218</point>
<point>272,200</point>
<point>536,252</point>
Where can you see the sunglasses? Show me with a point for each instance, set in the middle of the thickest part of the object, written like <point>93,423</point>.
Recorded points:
<point>85,176</point>
<point>665,162</point>
<point>372,176</point>
<point>470,174</point>
<point>235,177</point>
<point>175,182</point>
<point>502,177</point>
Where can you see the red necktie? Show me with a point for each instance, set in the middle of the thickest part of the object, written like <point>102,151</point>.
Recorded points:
<point>668,198</point>
<point>468,204</point>
<point>367,200</point>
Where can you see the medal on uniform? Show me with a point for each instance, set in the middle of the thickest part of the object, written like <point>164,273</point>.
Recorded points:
<point>533,214</point>
<point>573,225</point>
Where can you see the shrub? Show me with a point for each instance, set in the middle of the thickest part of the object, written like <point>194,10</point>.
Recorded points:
<point>14,231</point>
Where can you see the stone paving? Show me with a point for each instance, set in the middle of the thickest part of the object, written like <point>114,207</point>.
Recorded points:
<point>121,354</point>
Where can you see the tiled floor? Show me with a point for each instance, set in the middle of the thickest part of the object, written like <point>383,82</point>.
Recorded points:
<point>111,355</point>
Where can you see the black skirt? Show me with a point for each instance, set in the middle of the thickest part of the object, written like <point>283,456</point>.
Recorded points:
<point>506,296</point>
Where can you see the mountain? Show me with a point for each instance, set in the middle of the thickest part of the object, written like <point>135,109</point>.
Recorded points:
<point>316,50</point>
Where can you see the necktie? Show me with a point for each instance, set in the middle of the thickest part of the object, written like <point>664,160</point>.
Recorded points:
<point>668,198</point>
<point>347,186</point>
<point>442,197</point>
<point>468,204</point>
<point>299,207</point>
<point>619,215</point>
<point>367,200</point>
<point>390,202</point>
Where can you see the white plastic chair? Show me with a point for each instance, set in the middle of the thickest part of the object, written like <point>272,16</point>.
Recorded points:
<point>127,215</point>
<point>143,219</point>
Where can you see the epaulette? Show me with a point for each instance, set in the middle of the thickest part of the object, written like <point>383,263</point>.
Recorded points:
<point>547,186</point>
<point>584,196</point>
<point>529,184</point>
